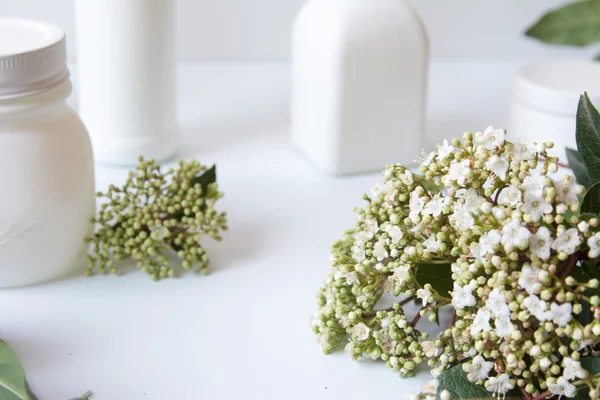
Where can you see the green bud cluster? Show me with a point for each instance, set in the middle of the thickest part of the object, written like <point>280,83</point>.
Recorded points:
<point>153,214</point>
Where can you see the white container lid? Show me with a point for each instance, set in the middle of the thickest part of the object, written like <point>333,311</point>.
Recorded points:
<point>32,57</point>
<point>555,86</point>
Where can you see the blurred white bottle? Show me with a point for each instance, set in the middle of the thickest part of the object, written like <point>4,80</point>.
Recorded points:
<point>126,78</point>
<point>359,72</point>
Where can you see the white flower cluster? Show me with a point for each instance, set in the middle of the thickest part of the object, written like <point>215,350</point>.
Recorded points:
<point>522,260</point>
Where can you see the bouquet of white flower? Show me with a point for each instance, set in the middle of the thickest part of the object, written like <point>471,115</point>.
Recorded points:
<point>490,232</point>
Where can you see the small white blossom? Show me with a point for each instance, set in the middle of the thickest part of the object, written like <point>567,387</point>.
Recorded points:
<point>498,166</point>
<point>457,172</point>
<point>560,314</point>
<point>444,150</point>
<point>445,395</point>
<point>511,196</point>
<point>504,326</point>
<point>541,243</point>
<point>481,323</point>
<point>407,178</point>
<point>567,240</point>
<point>536,207</point>
<point>478,368</point>
<point>424,295</point>
<point>358,253</point>
<point>487,244</point>
<point>534,185</point>
<point>462,297</point>
<point>371,226</point>
<point>573,369</point>
<point>401,273</point>
<point>562,387</point>
<point>362,237</point>
<point>431,386</point>
<point>491,138</point>
<point>538,308</point>
<point>432,245</point>
<point>568,190</point>
<point>500,384</point>
<point>352,278</point>
<point>426,159</point>
<point>395,233</point>
<point>529,279</point>
<point>496,303</point>
<point>416,205</point>
<point>462,217</point>
<point>513,234</point>
<point>361,332</point>
<point>434,207</point>
<point>430,349</point>
<point>379,251</point>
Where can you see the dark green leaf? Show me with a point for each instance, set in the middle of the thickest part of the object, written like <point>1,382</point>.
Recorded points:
<point>209,176</point>
<point>591,364</point>
<point>455,381</point>
<point>576,24</point>
<point>587,133</point>
<point>591,200</point>
<point>578,166</point>
<point>13,385</point>
<point>439,276</point>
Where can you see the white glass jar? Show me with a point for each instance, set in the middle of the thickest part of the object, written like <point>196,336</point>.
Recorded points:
<point>545,98</point>
<point>126,78</point>
<point>46,163</point>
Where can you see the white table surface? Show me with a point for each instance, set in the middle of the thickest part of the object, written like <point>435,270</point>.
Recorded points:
<point>241,332</point>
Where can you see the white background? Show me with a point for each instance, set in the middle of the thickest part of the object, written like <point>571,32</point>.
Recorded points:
<point>259,30</point>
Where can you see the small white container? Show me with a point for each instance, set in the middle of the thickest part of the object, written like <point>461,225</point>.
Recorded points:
<point>46,163</point>
<point>126,78</point>
<point>359,72</point>
<point>545,98</point>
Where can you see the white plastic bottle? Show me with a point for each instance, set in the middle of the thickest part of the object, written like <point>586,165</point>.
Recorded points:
<point>126,78</point>
<point>46,163</point>
<point>359,71</point>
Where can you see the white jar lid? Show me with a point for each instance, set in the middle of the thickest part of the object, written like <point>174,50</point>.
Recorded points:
<point>32,57</point>
<point>555,86</point>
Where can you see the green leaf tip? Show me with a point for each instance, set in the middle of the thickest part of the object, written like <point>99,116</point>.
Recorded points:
<point>575,24</point>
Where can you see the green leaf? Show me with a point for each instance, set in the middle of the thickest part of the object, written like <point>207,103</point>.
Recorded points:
<point>455,381</point>
<point>576,24</point>
<point>86,396</point>
<point>439,276</point>
<point>209,176</point>
<point>578,166</point>
<point>583,274</point>
<point>591,364</point>
<point>13,384</point>
<point>588,137</point>
<point>591,200</point>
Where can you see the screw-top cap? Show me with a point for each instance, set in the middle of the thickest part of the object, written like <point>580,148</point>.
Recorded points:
<point>32,57</point>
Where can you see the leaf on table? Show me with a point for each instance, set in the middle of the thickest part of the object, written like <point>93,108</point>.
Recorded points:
<point>209,176</point>
<point>578,166</point>
<point>439,276</point>
<point>455,381</point>
<point>587,133</point>
<point>13,384</point>
<point>576,24</point>
<point>591,200</point>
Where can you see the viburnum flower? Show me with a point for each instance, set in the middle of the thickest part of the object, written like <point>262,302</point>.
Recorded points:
<point>478,369</point>
<point>488,230</point>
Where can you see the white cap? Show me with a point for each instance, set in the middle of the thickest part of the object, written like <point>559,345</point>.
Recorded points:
<point>556,86</point>
<point>32,57</point>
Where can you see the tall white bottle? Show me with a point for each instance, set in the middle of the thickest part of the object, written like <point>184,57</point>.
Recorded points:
<point>359,72</point>
<point>126,78</point>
